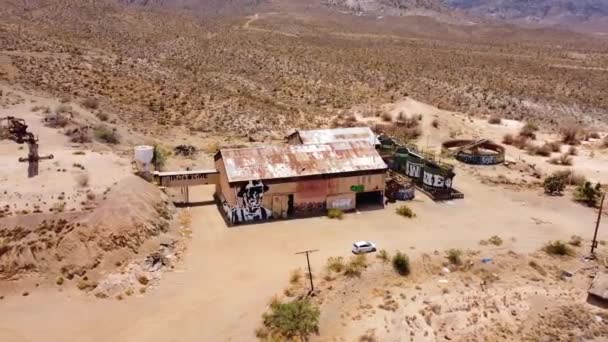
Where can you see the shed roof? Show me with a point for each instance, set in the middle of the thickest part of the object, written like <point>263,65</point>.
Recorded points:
<point>324,136</point>
<point>274,162</point>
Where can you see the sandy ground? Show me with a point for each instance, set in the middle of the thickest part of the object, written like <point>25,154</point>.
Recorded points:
<point>228,275</point>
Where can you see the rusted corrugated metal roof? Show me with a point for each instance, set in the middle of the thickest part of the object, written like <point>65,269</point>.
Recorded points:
<point>324,136</point>
<point>273,162</point>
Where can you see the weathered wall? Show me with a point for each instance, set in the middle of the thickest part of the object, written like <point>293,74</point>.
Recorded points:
<point>262,200</point>
<point>222,187</point>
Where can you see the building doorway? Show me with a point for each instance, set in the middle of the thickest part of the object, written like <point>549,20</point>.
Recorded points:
<point>370,200</point>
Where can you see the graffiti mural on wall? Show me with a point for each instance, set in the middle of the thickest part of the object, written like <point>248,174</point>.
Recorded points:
<point>309,208</point>
<point>341,203</point>
<point>249,203</point>
<point>436,181</point>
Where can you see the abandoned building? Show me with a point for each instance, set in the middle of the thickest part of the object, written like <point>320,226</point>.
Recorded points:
<point>325,136</point>
<point>262,183</point>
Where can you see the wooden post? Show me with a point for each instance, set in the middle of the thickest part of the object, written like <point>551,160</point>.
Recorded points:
<point>597,225</point>
<point>312,285</point>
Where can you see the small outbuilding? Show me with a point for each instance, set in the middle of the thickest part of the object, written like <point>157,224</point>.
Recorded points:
<point>269,182</point>
<point>325,136</point>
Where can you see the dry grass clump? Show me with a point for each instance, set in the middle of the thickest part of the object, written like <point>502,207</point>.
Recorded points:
<point>102,116</point>
<point>90,103</point>
<point>83,180</point>
<point>495,119</point>
<point>401,263</point>
<point>335,264</point>
<point>356,264</point>
<point>576,241</point>
<point>142,279</point>
<point>570,177</point>
<point>564,159</point>
<point>454,256</point>
<point>107,134</point>
<point>519,141</point>
<point>529,130</point>
<point>335,214</point>
<point>383,255</point>
<point>495,240</point>
<point>558,248</point>
<point>572,133</point>
<point>405,211</point>
<point>295,276</point>
<point>572,151</point>
<point>386,117</point>
<point>536,150</point>
<point>56,120</point>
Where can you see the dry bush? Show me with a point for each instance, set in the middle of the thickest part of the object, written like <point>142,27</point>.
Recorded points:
<point>335,213</point>
<point>576,241</point>
<point>536,150</point>
<point>563,159</point>
<point>107,134</point>
<point>495,119</point>
<point>572,151</point>
<point>570,177</point>
<point>455,256</point>
<point>604,143</point>
<point>56,120</point>
<point>295,276</point>
<point>555,146</point>
<point>508,139</point>
<point>529,130</point>
<point>102,116</point>
<point>83,180</point>
<point>142,279</point>
<point>405,211</point>
<point>435,123</point>
<point>63,109</point>
<point>335,264</point>
<point>558,248</point>
<point>495,240</point>
<point>387,117</point>
<point>211,146</point>
<point>571,133</point>
<point>90,103</point>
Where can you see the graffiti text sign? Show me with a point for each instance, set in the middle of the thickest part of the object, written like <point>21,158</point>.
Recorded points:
<point>436,181</point>
<point>357,188</point>
<point>413,170</point>
<point>341,203</point>
<point>187,178</point>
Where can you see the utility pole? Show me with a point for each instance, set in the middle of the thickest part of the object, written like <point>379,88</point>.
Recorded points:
<point>597,225</point>
<point>312,286</point>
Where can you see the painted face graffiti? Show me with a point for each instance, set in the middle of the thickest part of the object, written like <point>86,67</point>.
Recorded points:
<point>249,203</point>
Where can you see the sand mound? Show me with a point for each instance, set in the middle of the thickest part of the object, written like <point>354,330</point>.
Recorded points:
<point>132,220</point>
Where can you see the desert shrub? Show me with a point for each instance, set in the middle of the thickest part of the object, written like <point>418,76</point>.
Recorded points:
<point>107,134</point>
<point>335,214</point>
<point>570,133</point>
<point>90,103</point>
<point>386,116</point>
<point>604,143</point>
<point>56,120</point>
<point>495,240</point>
<point>536,150</point>
<point>554,146</point>
<point>355,265</point>
<point>588,193</point>
<point>63,109</point>
<point>352,271</point>
<point>435,123</point>
<point>576,240</point>
<point>335,264</point>
<point>554,184</point>
<point>60,281</point>
<point>83,180</point>
<point>405,211</point>
<point>558,248</point>
<point>455,256</point>
<point>287,321</point>
<point>571,177</point>
<point>529,130</point>
<point>563,159</point>
<point>519,141</point>
<point>494,119</point>
<point>142,279</point>
<point>80,135</point>
<point>592,135</point>
<point>102,116</point>
<point>295,276</point>
<point>401,263</point>
<point>161,154</point>
<point>572,151</point>
<point>359,260</point>
<point>508,139</point>
<point>383,255</point>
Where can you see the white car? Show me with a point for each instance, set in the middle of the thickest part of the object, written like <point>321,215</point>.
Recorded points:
<point>363,247</point>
